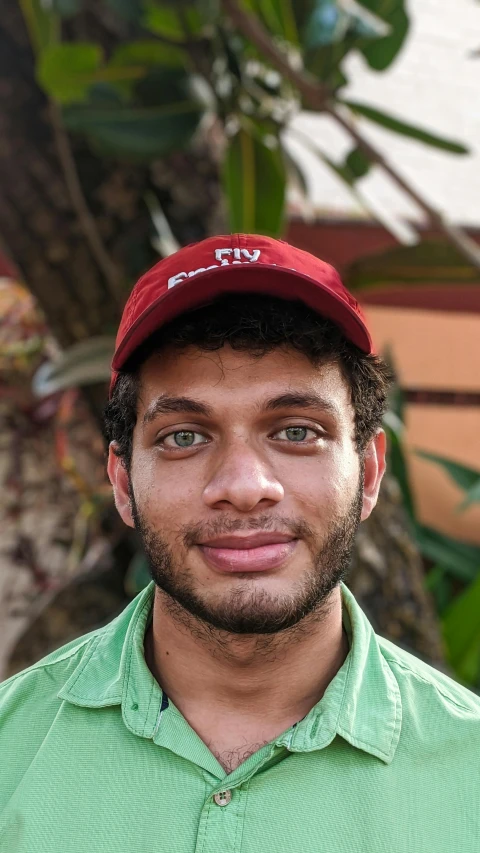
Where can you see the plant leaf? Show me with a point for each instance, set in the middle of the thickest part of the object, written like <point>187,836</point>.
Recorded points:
<point>465,477</point>
<point>82,364</point>
<point>439,583</point>
<point>404,129</point>
<point>165,21</point>
<point>296,173</point>
<point>430,262</point>
<point>254,180</point>
<point>397,462</point>
<point>42,24</point>
<point>381,52</point>
<point>137,133</point>
<point>356,166</point>
<point>358,163</point>
<point>131,10</point>
<point>461,632</point>
<point>460,558</point>
<point>278,16</point>
<point>164,118</point>
<point>138,574</point>
<point>65,8</point>
<point>472,496</point>
<point>148,53</point>
<point>65,71</point>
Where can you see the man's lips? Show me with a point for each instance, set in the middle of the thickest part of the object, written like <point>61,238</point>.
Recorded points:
<point>254,553</point>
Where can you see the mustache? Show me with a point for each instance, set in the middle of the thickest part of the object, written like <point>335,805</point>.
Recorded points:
<point>222,526</point>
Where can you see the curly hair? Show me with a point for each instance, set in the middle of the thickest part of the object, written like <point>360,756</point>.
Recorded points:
<point>257,325</point>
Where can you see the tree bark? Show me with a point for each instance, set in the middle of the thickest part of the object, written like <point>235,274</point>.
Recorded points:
<point>76,225</point>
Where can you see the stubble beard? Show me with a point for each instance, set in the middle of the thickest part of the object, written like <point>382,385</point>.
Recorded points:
<point>247,609</point>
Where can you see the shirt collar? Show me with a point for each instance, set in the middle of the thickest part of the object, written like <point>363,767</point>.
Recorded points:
<point>362,703</point>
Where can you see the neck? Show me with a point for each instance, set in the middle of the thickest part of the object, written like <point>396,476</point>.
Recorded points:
<point>283,675</point>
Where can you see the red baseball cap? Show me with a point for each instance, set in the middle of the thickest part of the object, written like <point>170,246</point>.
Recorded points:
<point>237,263</point>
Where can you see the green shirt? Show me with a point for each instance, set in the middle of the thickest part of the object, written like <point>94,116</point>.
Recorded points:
<point>94,758</point>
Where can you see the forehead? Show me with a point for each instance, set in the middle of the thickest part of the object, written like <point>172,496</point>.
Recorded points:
<point>228,377</point>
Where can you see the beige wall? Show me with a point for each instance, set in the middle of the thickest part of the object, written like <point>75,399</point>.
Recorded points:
<point>433,350</point>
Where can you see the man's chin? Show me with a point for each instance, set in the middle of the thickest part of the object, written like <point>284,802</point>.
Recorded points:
<point>243,610</point>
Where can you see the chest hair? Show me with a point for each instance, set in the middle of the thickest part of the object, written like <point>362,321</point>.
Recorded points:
<point>230,759</point>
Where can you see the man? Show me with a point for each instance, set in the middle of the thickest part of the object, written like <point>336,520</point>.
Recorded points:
<point>242,703</point>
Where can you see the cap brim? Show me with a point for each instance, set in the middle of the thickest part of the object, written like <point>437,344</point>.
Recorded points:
<point>267,279</point>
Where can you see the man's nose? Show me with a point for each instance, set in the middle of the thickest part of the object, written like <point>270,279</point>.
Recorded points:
<point>243,480</point>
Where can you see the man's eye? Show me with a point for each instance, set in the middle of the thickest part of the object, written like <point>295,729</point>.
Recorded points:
<point>296,433</point>
<point>183,438</point>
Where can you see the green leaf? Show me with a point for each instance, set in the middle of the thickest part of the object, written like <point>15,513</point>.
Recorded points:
<point>356,166</point>
<point>358,163</point>
<point>65,71</point>
<point>461,632</point>
<point>140,134</point>
<point>42,24</point>
<point>254,181</point>
<point>148,53</point>
<point>440,584</point>
<point>467,478</point>
<point>209,10</point>
<point>82,364</point>
<point>279,17</point>
<point>295,173</point>
<point>397,463</point>
<point>381,52</point>
<point>396,397</point>
<point>325,63</point>
<point>460,558</point>
<point>131,10</point>
<point>138,574</point>
<point>472,497</point>
<point>398,126</point>
<point>165,21</point>
<point>430,262</point>
<point>66,8</point>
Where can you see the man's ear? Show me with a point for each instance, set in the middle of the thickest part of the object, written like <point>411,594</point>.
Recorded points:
<point>374,471</point>
<point>118,477</point>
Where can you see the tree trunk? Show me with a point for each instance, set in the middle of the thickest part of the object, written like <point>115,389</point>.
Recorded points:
<point>76,225</point>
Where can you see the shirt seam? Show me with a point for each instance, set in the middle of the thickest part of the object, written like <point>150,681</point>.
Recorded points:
<point>147,715</point>
<point>205,823</point>
<point>40,666</point>
<point>344,691</point>
<point>82,665</point>
<point>136,729</point>
<point>241,823</point>
<point>343,731</point>
<point>430,683</point>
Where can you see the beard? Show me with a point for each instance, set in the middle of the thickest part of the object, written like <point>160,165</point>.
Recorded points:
<point>246,609</point>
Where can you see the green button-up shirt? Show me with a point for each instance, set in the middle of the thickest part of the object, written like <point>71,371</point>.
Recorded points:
<point>94,759</point>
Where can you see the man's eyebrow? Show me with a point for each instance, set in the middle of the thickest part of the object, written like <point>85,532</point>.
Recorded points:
<point>165,405</point>
<point>299,400</point>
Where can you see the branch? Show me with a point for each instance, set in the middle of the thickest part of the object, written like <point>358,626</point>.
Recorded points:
<point>318,98</point>
<point>468,247</point>
<point>313,91</point>
<point>85,218</point>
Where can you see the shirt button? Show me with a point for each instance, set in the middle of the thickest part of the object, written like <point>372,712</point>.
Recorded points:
<point>222,798</point>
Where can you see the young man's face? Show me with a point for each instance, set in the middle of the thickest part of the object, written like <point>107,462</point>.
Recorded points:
<point>246,485</point>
